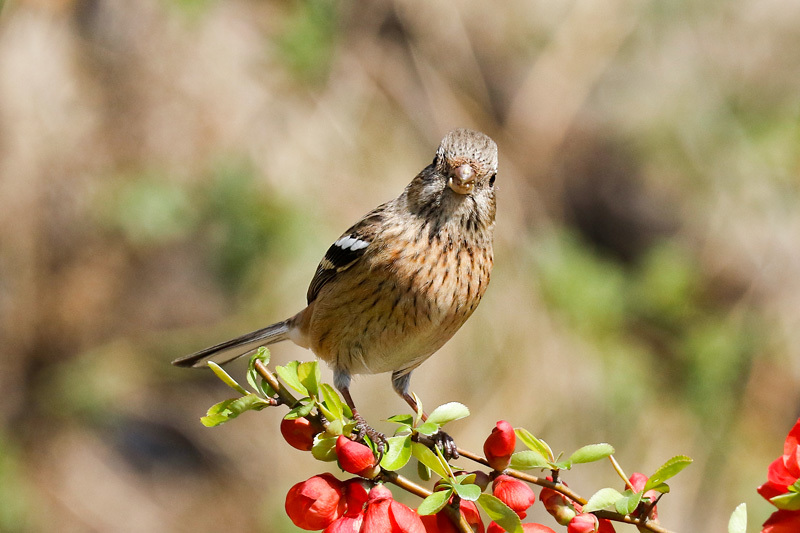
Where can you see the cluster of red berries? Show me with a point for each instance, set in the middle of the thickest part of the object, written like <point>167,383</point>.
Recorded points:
<point>324,502</point>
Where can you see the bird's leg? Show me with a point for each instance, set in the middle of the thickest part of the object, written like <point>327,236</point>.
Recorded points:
<point>342,382</point>
<point>441,439</point>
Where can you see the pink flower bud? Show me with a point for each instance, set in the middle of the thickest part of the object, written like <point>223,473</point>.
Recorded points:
<point>299,433</point>
<point>500,445</point>
<point>514,493</point>
<point>589,523</point>
<point>354,457</point>
<point>638,481</point>
<point>559,506</point>
<point>315,503</point>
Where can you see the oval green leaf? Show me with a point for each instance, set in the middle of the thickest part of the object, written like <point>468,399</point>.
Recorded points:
<point>428,458</point>
<point>602,499</point>
<point>738,521</point>
<point>428,428</point>
<point>534,444</point>
<point>467,491</point>
<point>309,375</point>
<point>434,503</point>
<point>528,460</point>
<point>226,379</point>
<point>667,470</point>
<point>788,502</point>
<point>448,412</point>
<point>289,376</point>
<point>628,503</point>
<point>398,454</point>
<point>591,453</point>
<point>500,513</point>
<point>324,448</point>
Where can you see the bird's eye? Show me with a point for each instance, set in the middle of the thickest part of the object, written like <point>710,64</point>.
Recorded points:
<point>491,180</point>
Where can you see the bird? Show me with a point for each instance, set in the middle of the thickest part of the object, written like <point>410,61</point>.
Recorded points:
<point>399,283</point>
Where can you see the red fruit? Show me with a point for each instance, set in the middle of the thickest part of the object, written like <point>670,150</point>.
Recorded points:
<point>589,523</point>
<point>299,433</point>
<point>354,457</point>
<point>315,503</point>
<point>782,522</point>
<point>384,515</point>
<point>527,528</point>
<point>346,524</point>
<point>784,470</point>
<point>559,506</point>
<point>638,481</point>
<point>500,445</point>
<point>514,493</point>
<point>440,522</point>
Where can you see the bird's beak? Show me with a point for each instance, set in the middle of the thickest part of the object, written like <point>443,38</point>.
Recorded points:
<point>462,179</point>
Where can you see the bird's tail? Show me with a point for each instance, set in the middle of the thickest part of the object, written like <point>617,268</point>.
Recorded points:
<point>269,335</point>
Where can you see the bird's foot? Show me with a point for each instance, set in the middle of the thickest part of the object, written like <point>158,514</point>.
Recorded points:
<point>363,429</point>
<point>440,440</point>
<point>445,443</point>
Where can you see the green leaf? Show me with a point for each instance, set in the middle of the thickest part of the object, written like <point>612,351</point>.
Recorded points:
<point>404,420</point>
<point>528,460</point>
<point>217,414</point>
<point>789,501</point>
<point>398,454</point>
<point>602,499</point>
<point>302,409</point>
<point>434,503</point>
<point>289,375</point>
<point>534,444</point>
<point>418,402</point>
<point>324,448</point>
<point>562,465</point>
<point>662,488</point>
<point>591,453</point>
<point>466,478</point>
<point>667,470</point>
<point>250,402</point>
<point>794,487</point>
<point>309,375</point>
<point>332,400</point>
<point>467,491</point>
<point>628,503</point>
<point>253,377</point>
<point>231,408</point>
<point>500,513</point>
<point>428,458</point>
<point>423,471</point>
<point>448,412</point>
<point>428,428</point>
<point>226,379</point>
<point>738,521</point>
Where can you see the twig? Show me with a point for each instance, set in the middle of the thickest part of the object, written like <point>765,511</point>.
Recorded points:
<point>285,396</point>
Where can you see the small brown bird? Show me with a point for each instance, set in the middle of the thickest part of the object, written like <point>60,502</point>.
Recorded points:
<point>400,282</point>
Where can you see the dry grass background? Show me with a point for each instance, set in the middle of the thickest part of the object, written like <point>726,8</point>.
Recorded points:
<point>171,171</point>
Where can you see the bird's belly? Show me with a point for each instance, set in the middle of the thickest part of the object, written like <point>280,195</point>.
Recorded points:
<point>391,319</point>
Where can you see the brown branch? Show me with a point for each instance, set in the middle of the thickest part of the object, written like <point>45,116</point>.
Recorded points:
<point>285,396</point>
<point>453,513</point>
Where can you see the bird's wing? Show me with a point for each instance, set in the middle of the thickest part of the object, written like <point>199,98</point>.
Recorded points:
<point>346,251</point>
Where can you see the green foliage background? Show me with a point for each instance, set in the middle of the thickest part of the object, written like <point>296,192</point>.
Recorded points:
<point>171,171</point>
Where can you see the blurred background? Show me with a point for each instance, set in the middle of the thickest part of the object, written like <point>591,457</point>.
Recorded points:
<point>171,172</point>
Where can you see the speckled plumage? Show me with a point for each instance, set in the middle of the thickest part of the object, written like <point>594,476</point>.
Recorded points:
<point>398,284</point>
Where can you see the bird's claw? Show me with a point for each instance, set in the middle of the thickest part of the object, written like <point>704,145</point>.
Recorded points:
<point>445,443</point>
<point>363,429</point>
